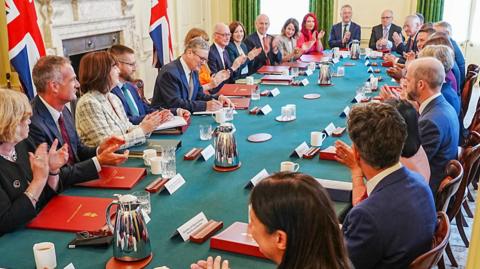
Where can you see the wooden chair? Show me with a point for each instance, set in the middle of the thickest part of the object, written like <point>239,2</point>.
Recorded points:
<point>439,242</point>
<point>470,80</point>
<point>448,187</point>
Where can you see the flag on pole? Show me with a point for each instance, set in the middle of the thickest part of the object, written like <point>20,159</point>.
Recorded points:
<point>160,33</point>
<point>25,43</point>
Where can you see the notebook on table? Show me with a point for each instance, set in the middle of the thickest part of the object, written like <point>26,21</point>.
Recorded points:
<point>237,90</point>
<point>114,177</point>
<point>276,80</point>
<point>274,69</point>
<point>178,125</point>
<point>235,238</point>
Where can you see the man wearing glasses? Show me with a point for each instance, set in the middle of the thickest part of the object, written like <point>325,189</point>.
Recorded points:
<point>134,106</point>
<point>218,58</point>
<point>382,34</point>
<point>177,83</point>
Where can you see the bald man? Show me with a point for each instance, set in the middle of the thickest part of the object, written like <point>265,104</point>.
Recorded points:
<point>270,54</point>
<point>218,58</point>
<point>382,34</point>
<point>438,121</point>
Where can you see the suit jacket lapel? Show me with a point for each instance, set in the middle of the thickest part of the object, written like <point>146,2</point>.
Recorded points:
<point>72,135</point>
<point>118,92</point>
<point>183,78</point>
<point>47,119</point>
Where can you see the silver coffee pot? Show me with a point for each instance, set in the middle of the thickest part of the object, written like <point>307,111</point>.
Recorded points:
<point>325,74</point>
<point>354,48</point>
<point>226,154</point>
<point>131,241</point>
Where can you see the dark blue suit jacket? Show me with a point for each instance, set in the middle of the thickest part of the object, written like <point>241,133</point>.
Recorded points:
<point>456,73</point>
<point>451,96</point>
<point>143,108</point>
<point>215,64</point>
<point>171,89</point>
<point>335,39</point>
<point>394,225</point>
<point>233,54</point>
<point>439,131</point>
<point>460,61</point>
<point>44,130</point>
<point>253,41</point>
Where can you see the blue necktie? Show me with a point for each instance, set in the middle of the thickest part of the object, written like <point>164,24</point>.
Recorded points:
<point>130,101</point>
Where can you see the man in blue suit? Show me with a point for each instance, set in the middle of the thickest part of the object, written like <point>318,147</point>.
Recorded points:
<point>270,54</point>
<point>218,58</point>
<point>56,85</point>
<point>345,31</point>
<point>396,222</point>
<point>178,85</point>
<point>438,121</point>
<point>134,106</point>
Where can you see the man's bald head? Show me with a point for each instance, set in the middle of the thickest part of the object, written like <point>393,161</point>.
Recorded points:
<point>221,34</point>
<point>425,77</point>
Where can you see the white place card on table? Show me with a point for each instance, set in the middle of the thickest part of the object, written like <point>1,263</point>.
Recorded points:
<point>345,112</point>
<point>329,129</point>
<point>257,178</point>
<point>370,70</point>
<point>265,110</point>
<point>300,150</point>
<point>174,183</point>
<point>304,82</point>
<point>358,98</point>
<point>191,226</point>
<point>274,92</point>
<point>308,72</point>
<point>207,153</point>
<point>367,63</point>
<point>335,60</point>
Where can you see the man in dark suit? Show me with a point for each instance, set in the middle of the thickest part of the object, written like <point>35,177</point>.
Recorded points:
<point>177,83</point>
<point>345,31</point>
<point>397,221</point>
<point>56,85</point>
<point>411,27</point>
<point>218,58</point>
<point>438,121</point>
<point>382,34</point>
<point>270,54</point>
<point>134,106</point>
<point>445,27</point>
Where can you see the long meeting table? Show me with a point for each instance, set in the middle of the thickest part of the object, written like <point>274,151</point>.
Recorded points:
<point>220,195</point>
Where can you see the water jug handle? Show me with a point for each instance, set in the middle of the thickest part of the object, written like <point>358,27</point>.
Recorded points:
<point>107,215</point>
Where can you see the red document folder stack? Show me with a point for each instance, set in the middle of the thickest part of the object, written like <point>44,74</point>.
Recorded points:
<point>237,90</point>
<point>72,214</point>
<point>273,70</point>
<point>236,239</point>
<point>113,177</point>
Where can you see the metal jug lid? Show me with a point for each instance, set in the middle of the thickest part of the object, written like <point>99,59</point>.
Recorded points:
<point>127,198</point>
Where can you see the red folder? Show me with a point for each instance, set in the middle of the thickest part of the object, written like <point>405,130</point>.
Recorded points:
<point>273,69</point>
<point>316,58</point>
<point>237,89</point>
<point>113,177</point>
<point>276,79</point>
<point>236,239</point>
<point>72,214</point>
<point>299,65</point>
<point>241,103</point>
<point>328,153</point>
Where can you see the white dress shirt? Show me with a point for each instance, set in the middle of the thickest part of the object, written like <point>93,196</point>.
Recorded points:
<point>426,102</point>
<point>373,182</point>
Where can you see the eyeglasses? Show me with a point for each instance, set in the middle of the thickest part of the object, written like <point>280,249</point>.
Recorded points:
<point>202,59</point>
<point>224,34</point>
<point>131,64</point>
<point>384,18</point>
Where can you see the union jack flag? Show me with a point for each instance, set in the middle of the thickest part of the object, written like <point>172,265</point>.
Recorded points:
<point>160,33</point>
<point>25,43</point>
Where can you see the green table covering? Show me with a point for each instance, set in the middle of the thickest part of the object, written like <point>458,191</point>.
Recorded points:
<point>221,196</point>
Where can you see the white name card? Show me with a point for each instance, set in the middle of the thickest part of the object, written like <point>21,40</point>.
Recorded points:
<point>308,72</point>
<point>259,177</point>
<point>207,153</point>
<point>335,60</point>
<point>266,109</point>
<point>275,92</point>
<point>358,98</point>
<point>345,112</point>
<point>367,63</point>
<point>192,225</point>
<point>330,128</point>
<point>305,82</point>
<point>370,70</point>
<point>301,149</point>
<point>69,266</point>
<point>174,183</point>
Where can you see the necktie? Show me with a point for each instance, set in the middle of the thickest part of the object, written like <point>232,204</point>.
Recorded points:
<point>344,30</point>
<point>66,139</point>
<point>410,44</point>
<point>266,48</point>
<point>130,102</point>
<point>190,86</point>
<point>226,60</point>
<point>385,32</point>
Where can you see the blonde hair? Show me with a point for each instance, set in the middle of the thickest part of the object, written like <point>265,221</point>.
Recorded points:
<point>14,109</point>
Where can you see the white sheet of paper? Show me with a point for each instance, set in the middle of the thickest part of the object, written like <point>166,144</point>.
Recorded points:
<point>174,183</point>
<point>258,177</point>
<point>177,121</point>
<point>305,82</point>
<point>266,109</point>
<point>330,128</point>
<point>308,72</point>
<point>69,266</point>
<point>335,184</point>
<point>192,225</point>
<point>210,112</point>
<point>302,149</point>
<point>275,92</point>
<point>207,152</point>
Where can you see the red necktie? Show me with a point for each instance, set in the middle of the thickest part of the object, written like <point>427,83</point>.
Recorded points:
<point>66,139</point>
<point>266,48</point>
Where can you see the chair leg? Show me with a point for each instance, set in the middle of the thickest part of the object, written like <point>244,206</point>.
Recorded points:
<point>449,252</point>
<point>470,196</point>
<point>461,231</point>
<point>441,263</point>
<point>467,209</point>
<point>464,221</point>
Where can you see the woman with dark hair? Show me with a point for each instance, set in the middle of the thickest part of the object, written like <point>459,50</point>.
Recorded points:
<point>310,39</point>
<point>294,223</point>
<point>287,41</point>
<point>100,113</point>
<point>236,47</point>
<point>413,155</point>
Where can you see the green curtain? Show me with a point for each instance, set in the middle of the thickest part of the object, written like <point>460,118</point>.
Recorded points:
<point>323,9</point>
<point>246,11</point>
<point>432,10</point>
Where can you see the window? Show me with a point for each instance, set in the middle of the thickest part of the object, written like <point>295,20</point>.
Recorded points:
<point>280,10</point>
<point>457,14</point>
